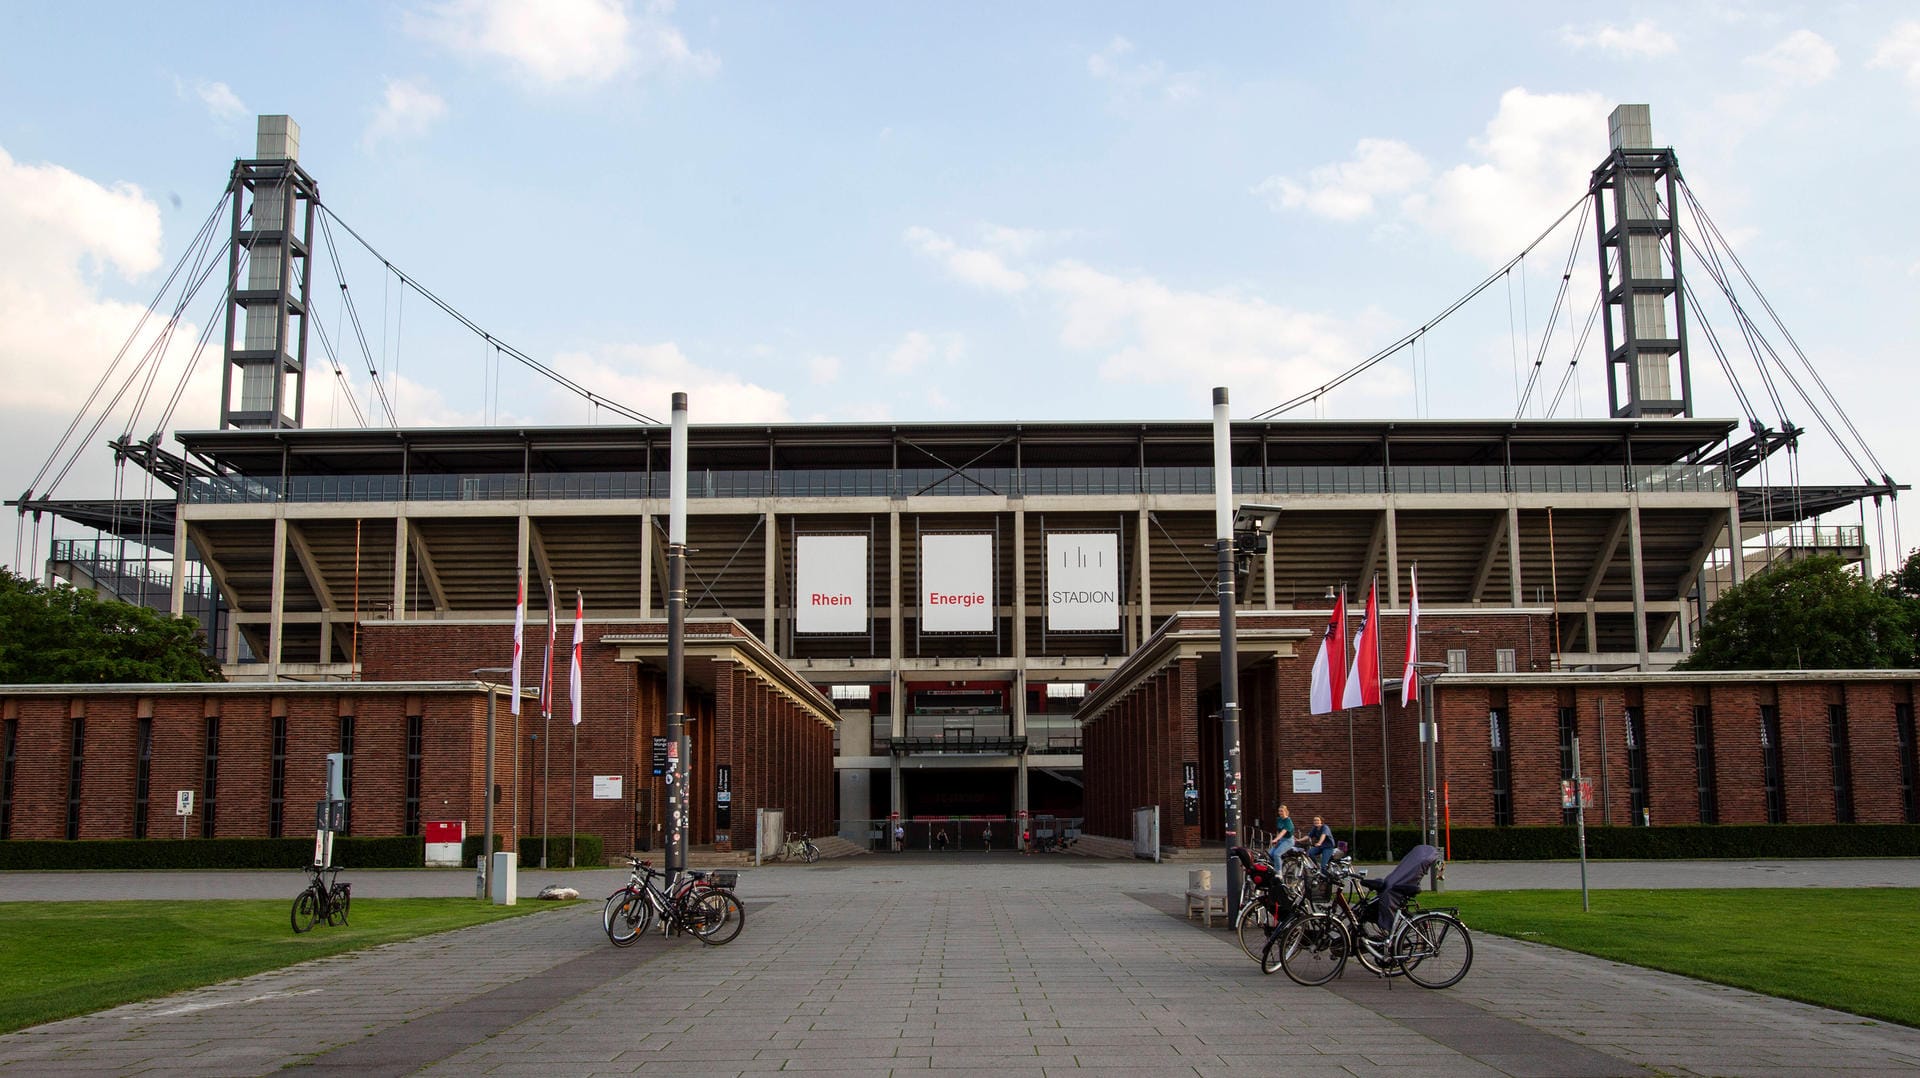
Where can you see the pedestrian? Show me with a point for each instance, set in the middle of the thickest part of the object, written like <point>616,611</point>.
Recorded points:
<point>940,840</point>
<point>899,837</point>
<point>986,838</point>
<point>1026,841</point>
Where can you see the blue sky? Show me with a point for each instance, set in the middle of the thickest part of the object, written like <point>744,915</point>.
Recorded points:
<point>1065,211</point>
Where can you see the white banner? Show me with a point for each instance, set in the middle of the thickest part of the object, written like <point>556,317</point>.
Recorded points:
<point>830,584</point>
<point>1083,582</point>
<point>956,583</point>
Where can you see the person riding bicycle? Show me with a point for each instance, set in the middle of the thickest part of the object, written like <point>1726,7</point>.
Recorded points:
<point>1399,885</point>
<point>1320,843</point>
<point>1282,836</point>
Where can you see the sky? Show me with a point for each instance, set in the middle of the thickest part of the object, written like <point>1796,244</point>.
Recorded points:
<point>836,212</point>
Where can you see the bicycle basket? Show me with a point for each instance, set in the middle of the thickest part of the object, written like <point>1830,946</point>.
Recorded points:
<point>1319,888</point>
<point>724,877</point>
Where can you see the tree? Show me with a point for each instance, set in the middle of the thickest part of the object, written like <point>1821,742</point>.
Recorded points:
<point>1810,614</point>
<point>63,635</point>
<point>1904,583</point>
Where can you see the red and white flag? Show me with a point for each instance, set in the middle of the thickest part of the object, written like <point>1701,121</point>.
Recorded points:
<point>1410,681</point>
<point>1329,665</point>
<point>519,642</point>
<point>1363,677</point>
<point>579,636</point>
<point>546,676</point>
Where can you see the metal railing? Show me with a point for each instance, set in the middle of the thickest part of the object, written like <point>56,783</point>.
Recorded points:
<point>965,482</point>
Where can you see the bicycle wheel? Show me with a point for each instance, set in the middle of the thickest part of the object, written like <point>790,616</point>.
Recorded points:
<point>305,911</point>
<point>1253,924</point>
<point>337,902</point>
<point>1313,950</point>
<point>811,853</point>
<point>1293,876</point>
<point>1434,950</point>
<point>628,918</point>
<point>716,916</point>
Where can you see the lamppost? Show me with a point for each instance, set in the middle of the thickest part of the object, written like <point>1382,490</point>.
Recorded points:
<point>1427,673</point>
<point>1249,526</point>
<point>483,879</point>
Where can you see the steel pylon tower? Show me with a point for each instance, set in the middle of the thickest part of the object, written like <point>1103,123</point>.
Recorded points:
<point>1645,327</point>
<point>270,294</point>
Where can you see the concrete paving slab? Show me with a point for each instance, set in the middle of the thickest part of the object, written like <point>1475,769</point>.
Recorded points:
<point>998,967</point>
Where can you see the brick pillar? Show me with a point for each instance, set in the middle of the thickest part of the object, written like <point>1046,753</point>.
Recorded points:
<point>1183,730</point>
<point>1671,776</point>
<point>1806,757</point>
<point>1876,750</point>
<point>1740,780</point>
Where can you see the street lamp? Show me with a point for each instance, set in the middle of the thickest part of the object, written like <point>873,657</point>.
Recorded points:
<point>1428,672</point>
<point>483,878</point>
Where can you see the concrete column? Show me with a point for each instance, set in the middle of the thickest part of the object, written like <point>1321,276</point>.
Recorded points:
<point>402,551</point>
<point>526,545</point>
<point>177,602</point>
<point>279,609</point>
<point>1639,581</point>
<point>1144,549</point>
<point>646,565</point>
<point>770,633</point>
<point>1736,543</point>
<point>896,651</point>
<point>1272,541</point>
<point>1393,556</point>
<point>1019,700</point>
<point>1513,550</point>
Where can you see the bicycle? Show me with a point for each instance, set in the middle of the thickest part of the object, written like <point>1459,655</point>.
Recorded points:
<point>1430,947</point>
<point>800,849</point>
<point>1278,896</point>
<point>701,902</point>
<point>329,900</point>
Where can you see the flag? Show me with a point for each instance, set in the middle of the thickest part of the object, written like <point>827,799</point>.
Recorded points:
<point>1363,677</point>
<point>519,633</point>
<point>1329,665</point>
<point>579,635</point>
<point>546,676</point>
<point>1410,681</point>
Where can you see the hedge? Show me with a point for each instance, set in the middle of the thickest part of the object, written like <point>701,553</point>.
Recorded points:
<point>588,851</point>
<point>348,852</point>
<point>1765,842</point>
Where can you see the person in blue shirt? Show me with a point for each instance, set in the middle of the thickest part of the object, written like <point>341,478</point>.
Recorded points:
<point>1320,843</point>
<point>1282,836</point>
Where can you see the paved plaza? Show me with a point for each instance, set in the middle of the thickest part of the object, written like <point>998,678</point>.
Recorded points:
<point>928,965</point>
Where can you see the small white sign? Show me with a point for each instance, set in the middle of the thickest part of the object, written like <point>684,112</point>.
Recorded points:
<point>606,787</point>
<point>183,803</point>
<point>1306,782</point>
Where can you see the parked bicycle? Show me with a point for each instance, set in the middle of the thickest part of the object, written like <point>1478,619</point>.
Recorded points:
<point>326,898</point>
<point>1432,948</point>
<point>798,849</point>
<point>701,902</point>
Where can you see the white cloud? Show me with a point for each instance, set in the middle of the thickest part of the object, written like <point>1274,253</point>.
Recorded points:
<point>221,101</point>
<point>66,237</point>
<point>1901,52</point>
<point>407,110</point>
<point>1151,334</point>
<point>1535,157</point>
<point>823,370</point>
<point>982,269</point>
<point>1345,191</point>
<point>1802,58</point>
<point>917,350</point>
<point>645,377</point>
<point>1642,40</point>
<point>563,42</point>
<point>1130,78</point>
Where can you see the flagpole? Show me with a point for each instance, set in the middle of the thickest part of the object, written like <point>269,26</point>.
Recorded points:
<point>1386,759</point>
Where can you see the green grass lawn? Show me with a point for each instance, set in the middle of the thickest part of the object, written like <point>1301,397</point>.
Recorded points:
<point>1852,949</point>
<point>59,959</point>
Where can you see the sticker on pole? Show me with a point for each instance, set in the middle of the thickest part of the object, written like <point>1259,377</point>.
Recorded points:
<point>1566,793</point>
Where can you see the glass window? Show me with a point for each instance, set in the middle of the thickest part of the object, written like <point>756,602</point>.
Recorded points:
<point>1569,729</point>
<point>1902,721</point>
<point>142,774</point>
<point>76,767</point>
<point>1637,763</point>
<point>1503,661</point>
<point>1704,779</point>
<point>11,734</point>
<point>210,778</point>
<point>1498,733</point>
<point>1839,750</point>
<point>1772,777</point>
<point>346,769</point>
<point>416,740</point>
<point>277,781</point>
<point>1457,660</point>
